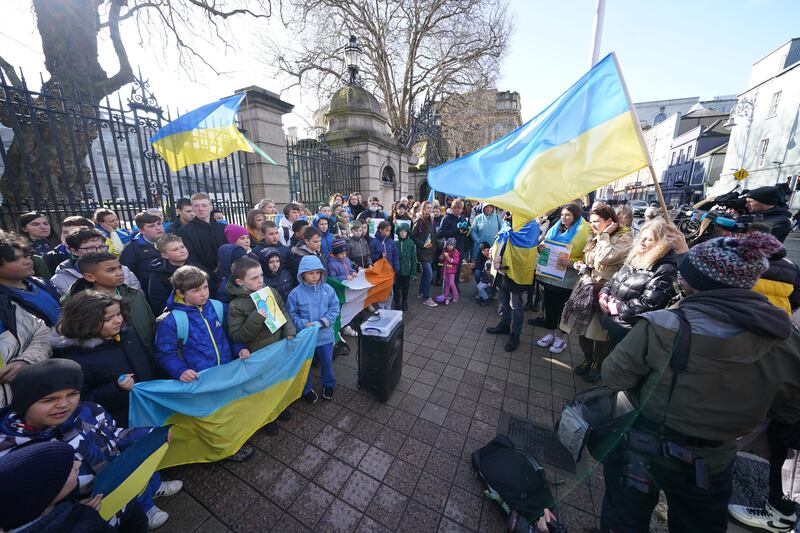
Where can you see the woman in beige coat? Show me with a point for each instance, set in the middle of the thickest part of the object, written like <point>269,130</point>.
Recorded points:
<point>603,256</point>
<point>24,340</point>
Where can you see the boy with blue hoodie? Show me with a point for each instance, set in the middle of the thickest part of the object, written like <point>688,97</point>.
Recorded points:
<point>384,247</point>
<point>323,224</point>
<point>313,303</point>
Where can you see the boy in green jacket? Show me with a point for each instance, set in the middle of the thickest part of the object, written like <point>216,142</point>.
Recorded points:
<point>407,253</point>
<point>246,323</point>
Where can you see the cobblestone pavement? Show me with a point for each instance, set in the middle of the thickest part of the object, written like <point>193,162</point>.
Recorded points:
<point>355,464</point>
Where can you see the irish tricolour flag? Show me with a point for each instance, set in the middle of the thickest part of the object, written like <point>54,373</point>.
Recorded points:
<point>370,286</point>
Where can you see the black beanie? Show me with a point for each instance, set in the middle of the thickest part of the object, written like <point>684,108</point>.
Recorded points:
<point>32,477</point>
<point>767,195</point>
<point>36,381</point>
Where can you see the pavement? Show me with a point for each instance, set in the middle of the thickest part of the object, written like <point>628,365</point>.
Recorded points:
<point>355,464</point>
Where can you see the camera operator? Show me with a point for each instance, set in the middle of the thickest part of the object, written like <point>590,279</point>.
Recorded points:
<point>740,356</point>
<point>769,203</point>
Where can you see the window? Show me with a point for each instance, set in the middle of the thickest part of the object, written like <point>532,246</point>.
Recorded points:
<point>689,152</point>
<point>672,161</point>
<point>773,106</point>
<point>762,151</point>
<point>683,177</point>
<point>680,157</point>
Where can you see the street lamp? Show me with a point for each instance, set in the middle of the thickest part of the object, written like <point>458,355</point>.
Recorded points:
<point>352,57</point>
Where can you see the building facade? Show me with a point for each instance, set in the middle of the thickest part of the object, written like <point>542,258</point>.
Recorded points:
<point>683,180</point>
<point>471,121</point>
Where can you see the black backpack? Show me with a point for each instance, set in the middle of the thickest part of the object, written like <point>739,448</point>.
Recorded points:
<point>513,478</point>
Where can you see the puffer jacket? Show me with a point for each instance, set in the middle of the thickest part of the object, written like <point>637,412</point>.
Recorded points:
<point>407,254</point>
<point>138,255</point>
<point>103,362</point>
<point>316,304</point>
<point>94,435</point>
<point>23,337</point>
<point>423,230</point>
<point>358,251</point>
<point>743,365</point>
<point>246,325</point>
<point>339,269</point>
<point>281,280</point>
<point>781,282</point>
<point>640,290</point>
<point>206,346</point>
<point>384,245</point>
<point>778,219</point>
<point>66,274</point>
<point>605,254</point>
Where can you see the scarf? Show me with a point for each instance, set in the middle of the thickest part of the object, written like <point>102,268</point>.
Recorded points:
<point>555,233</point>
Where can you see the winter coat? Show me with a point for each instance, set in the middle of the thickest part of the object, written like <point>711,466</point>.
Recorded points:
<point>327,236</point>
<point>298,253</point>
<point>407,257</point>
<point>68,516</point>
<point>449,229</point>
<point>23,337</point>
<point>158,286</point>
<point>283,251</point>
<point>94,435</point>
<point>40,247</point>
<point>743,365</point>
<point>206,346</point>
<point>313,303</point>
<point>26,299</point>
<point>781,283</point>
<point>424,229</point>
<point>403,220</point>
<point>103,362</point>
<point>203,239</point>
<point>381,245</point>
<point>228,253</point>
<point>778,219</point>
<point>246,325</point>
<point>366,214</point>
<point>358,251</point>
<point>451,262</point>
<point>642,290</point>
<point>605,254</point>
<point>58,255</point>
<point>281,280</point>
<point>285,231</point>
<point>66,274</point>
<point>355,210</point>
<point>339,269</point>
<point>486,227</point>
<point>137,256</point>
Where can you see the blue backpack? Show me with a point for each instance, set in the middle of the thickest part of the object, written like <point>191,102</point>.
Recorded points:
<point>182,320</point>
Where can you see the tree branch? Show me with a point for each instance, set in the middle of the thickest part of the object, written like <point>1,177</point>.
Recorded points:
<point>125,73</point>
<point>10,73</point>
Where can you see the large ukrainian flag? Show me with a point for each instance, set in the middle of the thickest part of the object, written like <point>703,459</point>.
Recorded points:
<point>214,415</point>
<point>587,138</point>
<point>203,134</point>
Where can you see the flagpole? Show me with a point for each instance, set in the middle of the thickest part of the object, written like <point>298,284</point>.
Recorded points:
<point>599,17</point>
<point>640,135</point>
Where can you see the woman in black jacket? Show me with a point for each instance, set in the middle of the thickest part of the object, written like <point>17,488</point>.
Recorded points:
<point>424,236</point>
<point>645,282</point>
<point>112,358</point>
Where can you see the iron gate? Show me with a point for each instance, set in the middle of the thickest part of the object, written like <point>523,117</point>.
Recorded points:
<point>63,157</point>
<point>316,172</point>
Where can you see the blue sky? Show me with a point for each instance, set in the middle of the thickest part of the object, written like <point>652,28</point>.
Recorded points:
<point>666,48</point>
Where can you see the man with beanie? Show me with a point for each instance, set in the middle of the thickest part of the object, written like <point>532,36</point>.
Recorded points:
<point>38,481</point>
<point>742,361</point>
<point>769,206</point>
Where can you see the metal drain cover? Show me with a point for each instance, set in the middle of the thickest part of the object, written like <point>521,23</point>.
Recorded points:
<point>540,441</point>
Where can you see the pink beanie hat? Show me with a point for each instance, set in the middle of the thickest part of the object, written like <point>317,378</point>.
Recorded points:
<point>233,232</point>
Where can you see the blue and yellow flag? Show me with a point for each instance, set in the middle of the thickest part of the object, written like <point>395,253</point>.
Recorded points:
<point>203,134</point>
<point>214,415</point>
<point>520,252</point>
<point>585,139</point>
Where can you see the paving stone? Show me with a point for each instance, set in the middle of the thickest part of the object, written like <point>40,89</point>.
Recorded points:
<point>286,488</point>
<point>464,508</point>
<point>262,474</point>
<point>288,524</point>
<point>340,518</point>
<point>456,421</point>
<point>441,464</point>
<point>431,492</point>
<point>261,515</point>
<point>401,421</point>
<point>420,390</point>
<point>368,525</point>
<point>419,518</point>
<point>352,450</point>
<point>333,475</point>
<point>425,431</point>
<point>367,430</point>
<point>450,441</point>
<point>387,507</point>
<point>390,440</point>
<point>376,462</point>
<point>412,404</point>
<point>310,461</point>
<point>311,504</point>
<point>346,419</point>
<point>414,451</point>
<point>402,476</point>
<point>329,438</point>
<point>187,513</point>
<point>358,490</point>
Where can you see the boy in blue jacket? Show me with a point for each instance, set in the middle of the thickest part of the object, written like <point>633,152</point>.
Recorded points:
<point>313,303</point>
<point>383,246</point>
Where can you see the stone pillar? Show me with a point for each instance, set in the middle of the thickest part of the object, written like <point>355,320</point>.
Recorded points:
<point>261,115</point>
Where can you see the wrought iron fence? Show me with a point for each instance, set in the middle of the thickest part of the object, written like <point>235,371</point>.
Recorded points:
<point>63,156</point>
<point>316,172</point>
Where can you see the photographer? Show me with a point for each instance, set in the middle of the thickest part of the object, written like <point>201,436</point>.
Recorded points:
<point>742,357</point>
<point>768,204</point>
<point>455,226</point>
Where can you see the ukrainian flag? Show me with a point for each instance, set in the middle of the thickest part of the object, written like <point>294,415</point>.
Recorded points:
<point>214,415</point>
<point>203,134</point>
<point>520,252</point>
<point>588,137</point>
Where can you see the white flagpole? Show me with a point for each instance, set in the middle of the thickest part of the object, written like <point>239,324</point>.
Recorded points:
<point>599,16</point>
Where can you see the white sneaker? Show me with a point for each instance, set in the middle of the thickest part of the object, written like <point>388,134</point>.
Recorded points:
<point>168,488</point>
<point>546,341</point>
<point>350,332</point>
<point>430,303</point>
<point>558,346</point>
<point>156,518</point>
<point>769,518</point>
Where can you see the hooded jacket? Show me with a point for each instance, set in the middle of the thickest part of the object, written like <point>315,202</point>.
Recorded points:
<point>203,239</point>
<point>407,256</point>
<point>56,256</point>
<point>246,325</point>
<point>285,231</point>
<point>298,253</point>
<point>138,255</point>
<point>23,337</point>
<point>281,280</point>
<point>339,269</point>
<point>284,252</point>
<point>103,362</point>
<point>743,366</point>
<point>314,303</point>
<point>66,274</point>
<point>642,290</point>
<point>778,219</point>
<point>358,251</point>
<point>380,245</point>
<point>327,236</point>
<point>781,282</point>
<point>206,346</point>
<point>228,253</point>
<point>486,227</point>
<point>423,230</point>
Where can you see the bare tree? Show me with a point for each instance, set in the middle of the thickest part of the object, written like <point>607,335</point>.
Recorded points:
<point>69,30</point>
<point>411,48</point>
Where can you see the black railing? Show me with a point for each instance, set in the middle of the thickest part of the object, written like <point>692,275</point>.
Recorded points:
<point>316,172</point>
<point>64,156</point>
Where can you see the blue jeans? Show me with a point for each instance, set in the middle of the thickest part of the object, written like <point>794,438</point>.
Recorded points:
<point>145,499</point>
<point>512,308</point>
<point>484,290</point>
<point>325,357</point>
<point>427,278</point>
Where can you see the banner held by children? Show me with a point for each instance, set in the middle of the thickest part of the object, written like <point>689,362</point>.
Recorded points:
<point>370,286</point>
<point>214,415</point>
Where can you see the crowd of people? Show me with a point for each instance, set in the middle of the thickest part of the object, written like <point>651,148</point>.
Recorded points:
<point>87,313</point>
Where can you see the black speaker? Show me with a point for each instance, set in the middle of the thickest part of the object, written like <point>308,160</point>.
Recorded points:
<point>380,362</point>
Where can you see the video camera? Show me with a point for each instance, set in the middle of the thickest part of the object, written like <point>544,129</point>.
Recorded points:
<point>739,224</point>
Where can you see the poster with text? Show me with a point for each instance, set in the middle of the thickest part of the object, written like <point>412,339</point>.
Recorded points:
<point>547,265</point>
